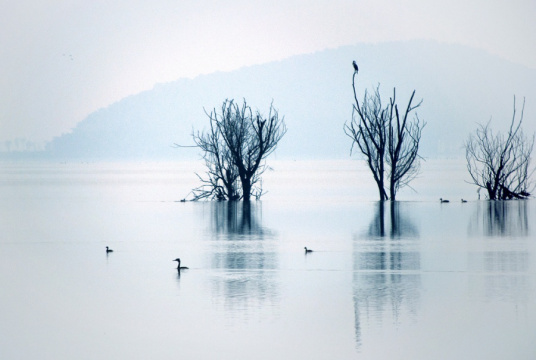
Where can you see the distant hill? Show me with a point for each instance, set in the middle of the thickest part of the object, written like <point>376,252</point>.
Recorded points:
<point>460,86</point>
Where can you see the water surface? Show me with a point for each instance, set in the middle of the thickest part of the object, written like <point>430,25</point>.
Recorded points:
<point>411,280</point>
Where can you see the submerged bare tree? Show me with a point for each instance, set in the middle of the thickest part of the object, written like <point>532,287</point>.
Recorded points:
<point>221,182</point>
<point>235,149</point>
<point>368,130</point>
<point>388,139</point>
<point>250,138</point>
<point>499,163</point>
<point>403,145</point>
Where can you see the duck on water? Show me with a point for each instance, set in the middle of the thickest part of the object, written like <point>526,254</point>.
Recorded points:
<point>179,267</point>
<point>307,250</point>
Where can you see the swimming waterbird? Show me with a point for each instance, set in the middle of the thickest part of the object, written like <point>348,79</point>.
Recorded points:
<point>179,267</point>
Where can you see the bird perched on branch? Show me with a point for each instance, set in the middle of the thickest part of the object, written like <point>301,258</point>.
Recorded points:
<point>355,66</point>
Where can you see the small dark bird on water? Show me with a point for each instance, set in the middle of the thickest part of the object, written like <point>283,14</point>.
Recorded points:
<point>464,201</point>
<point>307,250</point>
<point>355,66</point>
<point>443,201</point>
<point>108,250</point>
<point>179,267</point>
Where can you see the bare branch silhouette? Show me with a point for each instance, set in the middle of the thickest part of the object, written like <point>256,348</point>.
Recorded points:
<point>501,164</point>
<point>388,139</point>
<point>235,148</point>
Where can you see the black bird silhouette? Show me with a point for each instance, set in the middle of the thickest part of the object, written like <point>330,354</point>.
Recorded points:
<point>355,66</point>
<point>464,201</point>
<point>108,250</point>
<point>179,267</point>
<point>307,250</point>
<point>443,201</point>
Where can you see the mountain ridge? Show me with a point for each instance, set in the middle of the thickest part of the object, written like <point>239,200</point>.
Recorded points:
<point>460,87</point>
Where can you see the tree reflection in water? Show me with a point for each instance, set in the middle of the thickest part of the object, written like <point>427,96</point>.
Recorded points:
<point>230,218</point>
<point>500,218</point>
<point>504,261</point>
<point>386,267</point>
<point>244,257</point>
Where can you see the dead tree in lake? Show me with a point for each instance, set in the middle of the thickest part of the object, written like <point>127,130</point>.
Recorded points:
<point>250,138</point>
<point>388,139</point>
<point>222,181</point>
<point>501,164</point>
<point>403,145</point>
<point>235,150</point>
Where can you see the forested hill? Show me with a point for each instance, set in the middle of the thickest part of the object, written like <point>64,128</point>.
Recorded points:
<point>459,86</point>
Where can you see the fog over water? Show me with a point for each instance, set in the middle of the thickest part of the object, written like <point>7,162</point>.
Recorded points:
<point>414,279</point>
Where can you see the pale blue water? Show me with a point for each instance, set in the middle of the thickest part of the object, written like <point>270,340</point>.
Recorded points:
<point>413,280</point>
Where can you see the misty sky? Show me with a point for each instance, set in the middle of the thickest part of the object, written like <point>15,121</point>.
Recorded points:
<point>61,60</point>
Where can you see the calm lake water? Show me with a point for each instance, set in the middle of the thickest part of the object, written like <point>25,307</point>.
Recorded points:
<point>411,280</point>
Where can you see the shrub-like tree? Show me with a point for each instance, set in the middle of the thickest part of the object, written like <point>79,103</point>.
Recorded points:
<point>235,149</point>
<point>499,163</point>
<point>221,181</point>
<point>388,139</point>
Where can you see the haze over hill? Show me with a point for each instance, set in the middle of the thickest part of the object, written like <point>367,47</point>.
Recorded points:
<point>459,86</point>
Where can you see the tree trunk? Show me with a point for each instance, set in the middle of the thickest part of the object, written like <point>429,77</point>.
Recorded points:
<point>383,194</point>
<point>246,189</point>
<point>392,190</point>
<point>492,191</point>
<point>381,190</point>
<point>379,178</point>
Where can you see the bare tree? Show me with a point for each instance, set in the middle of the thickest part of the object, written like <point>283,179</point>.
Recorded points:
<point>222,182</point>
<point>403,145</point>
<point>388,139</point>
<point>250,138</point>
<point>235,149</point>
<point>501,164</point>
<point>368,129</point>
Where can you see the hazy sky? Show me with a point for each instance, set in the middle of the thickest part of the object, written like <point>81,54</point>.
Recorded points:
<point>60,60</point>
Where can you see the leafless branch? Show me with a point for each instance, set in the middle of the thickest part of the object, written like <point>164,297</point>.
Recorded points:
<point>235,148</point>
<point>388,141</point>
<point>499,163</point>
